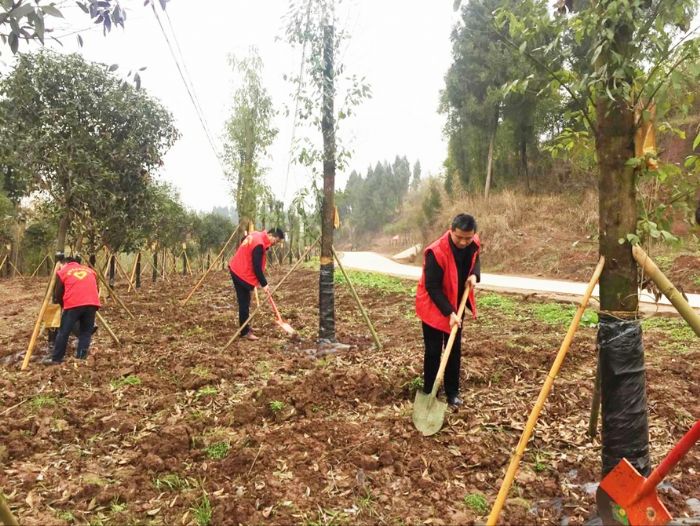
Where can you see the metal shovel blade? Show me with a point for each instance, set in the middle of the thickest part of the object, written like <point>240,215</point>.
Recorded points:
<point>428,413</point>
<point>286,327</point>
<point>618,494</point>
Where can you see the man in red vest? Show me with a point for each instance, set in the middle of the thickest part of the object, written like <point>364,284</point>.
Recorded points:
<point>76,291</point>
<point>247,267</point>
<point>449,264</point>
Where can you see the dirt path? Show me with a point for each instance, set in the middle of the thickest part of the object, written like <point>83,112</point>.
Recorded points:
<point>373,262</point>
<point>171,429</point>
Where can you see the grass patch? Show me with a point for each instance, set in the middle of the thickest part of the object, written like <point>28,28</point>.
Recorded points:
<point>375,281</point>
<point>415,384</point>
<point>117,507</point>
<point>125,381</point>
<point>558,314</point>
<point>200,371</point>
<point>172,482</point>
<point>218,450</point>
<point>477,503</point>
<point>66,516</point>
<point>40,401</point>
<point>207,390</point>
<point>202,512</point>
<point>504,304</point>
<point>197,329</point>
<point>675,329</point>
<point>276,406</point>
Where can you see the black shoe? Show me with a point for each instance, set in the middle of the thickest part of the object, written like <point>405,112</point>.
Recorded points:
<point>454,401</point>
<point>49,361</point>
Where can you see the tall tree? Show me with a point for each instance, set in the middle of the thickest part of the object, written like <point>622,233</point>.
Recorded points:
<point>314,26</point>
<point>635,49</point>
<point>75,132</point>
<point>415,180</point>
<point>249,134</point>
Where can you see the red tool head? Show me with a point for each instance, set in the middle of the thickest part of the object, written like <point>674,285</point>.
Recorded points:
<point>621,487</point>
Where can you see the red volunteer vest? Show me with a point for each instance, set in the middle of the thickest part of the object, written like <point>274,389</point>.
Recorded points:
<point>426,310</point>
<point>241,264</point>
<point>80,286</point>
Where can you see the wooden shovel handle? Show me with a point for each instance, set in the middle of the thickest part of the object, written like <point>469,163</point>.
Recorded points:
<point>667,464</point>
<point>274,307</point>
<point>450,342</point>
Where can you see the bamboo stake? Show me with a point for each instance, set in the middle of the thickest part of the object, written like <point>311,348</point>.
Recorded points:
<point>184,302</point>
<point>546,388</point>
<point>2,264</point>
<point>37,325</point>
<point>39,266</point>
<point>120,269</point>
<point>112,293</point>
<point>132,281</point>
<point>245,323</point>
<point>16,269</point>
<point>667,288</point>
<point>108,328</point>
<point>187,262</point>
<point>377,343</point>
<point>6,516</point>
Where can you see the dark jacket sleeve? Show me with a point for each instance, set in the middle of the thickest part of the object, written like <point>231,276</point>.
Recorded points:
<point>477,269</point>
<point>58,292</point>
<point>257,265</point>
<point>433,284</point>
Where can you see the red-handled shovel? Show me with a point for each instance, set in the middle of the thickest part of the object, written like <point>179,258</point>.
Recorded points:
<point>631,498</point>
<point>283,324</point>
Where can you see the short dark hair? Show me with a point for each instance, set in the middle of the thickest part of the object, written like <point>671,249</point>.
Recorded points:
<point>75,258</point>
<point>277,232</point>
<point>464,222</point>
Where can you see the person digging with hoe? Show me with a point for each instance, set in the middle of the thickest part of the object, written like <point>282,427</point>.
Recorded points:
<point>247,267</point>
<point>449,263</point>
<point>76,291</point>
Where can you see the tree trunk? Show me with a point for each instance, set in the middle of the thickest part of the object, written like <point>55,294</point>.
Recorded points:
<point>112,269</point>
<point>523,162</point>
<point>326,288</point>
<point>184,263</point>
<point>62,233</point>
<point>154,275</point>
<point>489,161</point>
<point>138,270</point>
<point>623,385</point>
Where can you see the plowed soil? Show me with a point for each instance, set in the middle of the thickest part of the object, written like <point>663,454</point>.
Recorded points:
<point>268,432</point>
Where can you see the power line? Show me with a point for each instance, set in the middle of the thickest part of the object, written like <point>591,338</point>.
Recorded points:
<point>190,93</point>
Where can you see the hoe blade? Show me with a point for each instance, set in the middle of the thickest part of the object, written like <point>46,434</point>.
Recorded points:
<point>428,413</point>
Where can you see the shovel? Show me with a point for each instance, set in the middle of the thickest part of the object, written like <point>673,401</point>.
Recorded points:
<point>283,324</point>
<point>631,498</point>
<point>428,411</point>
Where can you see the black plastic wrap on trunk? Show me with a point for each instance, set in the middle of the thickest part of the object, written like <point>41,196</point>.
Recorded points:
<point>326,304</point>
<point>623,392</point>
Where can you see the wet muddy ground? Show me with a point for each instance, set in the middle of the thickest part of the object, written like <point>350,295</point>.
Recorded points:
<point>172,429</point>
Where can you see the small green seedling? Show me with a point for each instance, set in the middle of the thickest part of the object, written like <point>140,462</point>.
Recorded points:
<point>276,406</point>
<point>477,503</point>
<point>218,450</point>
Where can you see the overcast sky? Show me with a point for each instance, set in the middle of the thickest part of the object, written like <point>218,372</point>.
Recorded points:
<point>402,47</point>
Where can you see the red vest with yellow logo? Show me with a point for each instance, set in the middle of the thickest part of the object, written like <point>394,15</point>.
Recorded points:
<point>426,310</point>
<point>241,264</point>
<point>80,286</point>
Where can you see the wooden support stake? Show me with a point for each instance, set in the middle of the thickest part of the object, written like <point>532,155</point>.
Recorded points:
<point>37,325</point>
<point>245,323</point>
<point>187,262</point>
<point>667,288</point>
<point>39,266</point>
<point>122,272</point>
<point>6,516</point>
<point>112,293</point>
<point>9,262</point>
<point>377,343</point>
<point>184,302</point>
<point>132,281</point>
<point>544,392</point>
<point>108,328</point>
<point>2,264</point>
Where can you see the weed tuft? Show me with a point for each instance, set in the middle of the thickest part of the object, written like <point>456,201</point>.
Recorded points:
<point>276,406</point>
<point>130,380</point>
<point>477,503</point>
<point>218,450</point>
<point>202,512</point>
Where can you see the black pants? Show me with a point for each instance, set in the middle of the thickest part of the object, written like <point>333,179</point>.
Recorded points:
<point>85,316</point>
<point>243,291</point>
<point>435,340</point>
